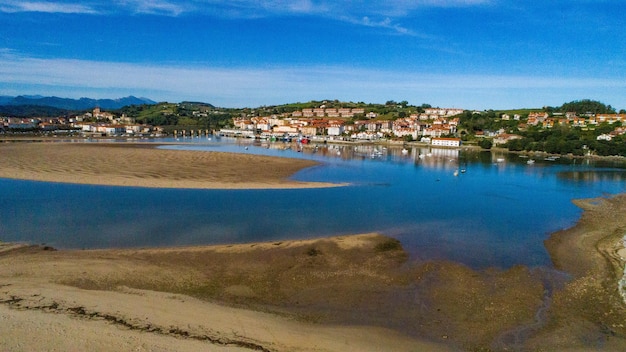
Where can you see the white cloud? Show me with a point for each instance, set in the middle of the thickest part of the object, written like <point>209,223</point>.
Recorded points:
<point>238,87</point>
<point>45,6</point>
<point>155,7</point>
<point>385,14</point>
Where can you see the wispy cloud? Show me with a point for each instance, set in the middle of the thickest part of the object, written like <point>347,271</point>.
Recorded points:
<point>387,14</point>
<point>156,7</point>
<point>237,87</point>
<point>152,7</point>
<point>385,23</point>
<point>45,6</point>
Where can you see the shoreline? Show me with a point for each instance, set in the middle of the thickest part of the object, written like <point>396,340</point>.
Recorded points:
<point>380,299</point>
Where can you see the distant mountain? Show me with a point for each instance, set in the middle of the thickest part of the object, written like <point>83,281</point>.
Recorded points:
<point>4,100</point>
<point>74,104</point>
<point>31,111</point>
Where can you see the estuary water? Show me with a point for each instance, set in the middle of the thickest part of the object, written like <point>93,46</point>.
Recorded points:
<point>478,208</point>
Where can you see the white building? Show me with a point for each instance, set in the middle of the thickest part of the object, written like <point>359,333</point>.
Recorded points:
<point>446,142</point>
<point>335,130</point>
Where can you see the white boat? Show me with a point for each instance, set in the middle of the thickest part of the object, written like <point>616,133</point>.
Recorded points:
<point>530,161</point>
<point>456,172</point>
<point>500,160</point>
<point>405,151</point>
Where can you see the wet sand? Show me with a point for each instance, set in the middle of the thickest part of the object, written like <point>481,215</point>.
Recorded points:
<point>351,293</point>
<point>198,298</point>
<point>143,165</point>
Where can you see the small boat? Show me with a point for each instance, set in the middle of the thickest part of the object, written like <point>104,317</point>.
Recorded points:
<point>456,172</point>
<point>530,161</point>
<point>500,160</point>
<point>405,151</point>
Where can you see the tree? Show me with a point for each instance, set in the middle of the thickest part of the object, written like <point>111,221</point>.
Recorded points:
<point>587,106</point>
<point>485,143</point>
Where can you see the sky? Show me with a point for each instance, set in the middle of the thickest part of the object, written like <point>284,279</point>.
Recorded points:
<point>470,54</point>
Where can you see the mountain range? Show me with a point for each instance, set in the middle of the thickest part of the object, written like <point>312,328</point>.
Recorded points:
<point>73,104</point>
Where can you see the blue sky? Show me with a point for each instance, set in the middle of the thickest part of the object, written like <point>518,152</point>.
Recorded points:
<point>473,54</point>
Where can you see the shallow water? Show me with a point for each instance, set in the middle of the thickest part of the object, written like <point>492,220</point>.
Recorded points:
<point>495,213</point>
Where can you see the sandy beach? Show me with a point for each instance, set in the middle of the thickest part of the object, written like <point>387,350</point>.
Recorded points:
<point>143,165</point>
<point>348,293</point>
<point>216,298</point>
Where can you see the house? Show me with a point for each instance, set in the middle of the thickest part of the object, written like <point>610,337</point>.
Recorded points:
<point>319,112</point>
<point>345,112</point>
<point>611,118</point>
<point>366,136</point>
<point>406,131</point>
<point>504,138</point>
<point>285,129</point>
<point>579,122</point>
<point>309,130</point>
<point>539,116</point>
<point>114,130</point>
<point>445,142</point>
<point>99,114</point>
<point>548,123</point>
<point>335,128</point>
<point>332,113</point>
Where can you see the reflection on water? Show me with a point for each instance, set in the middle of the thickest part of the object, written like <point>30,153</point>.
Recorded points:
<point>592,176</point>
<point>478,208</point>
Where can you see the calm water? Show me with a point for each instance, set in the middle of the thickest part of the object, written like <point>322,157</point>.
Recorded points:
<point>496,213</point>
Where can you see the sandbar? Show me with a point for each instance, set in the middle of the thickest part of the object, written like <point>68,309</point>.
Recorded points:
<point>143,165</point>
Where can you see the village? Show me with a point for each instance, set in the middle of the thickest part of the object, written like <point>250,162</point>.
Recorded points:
<point>433,126</point>
<point>94,123</point>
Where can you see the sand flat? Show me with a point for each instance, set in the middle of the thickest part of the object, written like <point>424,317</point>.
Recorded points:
<point>143,165</point>
<point>130,299</point>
